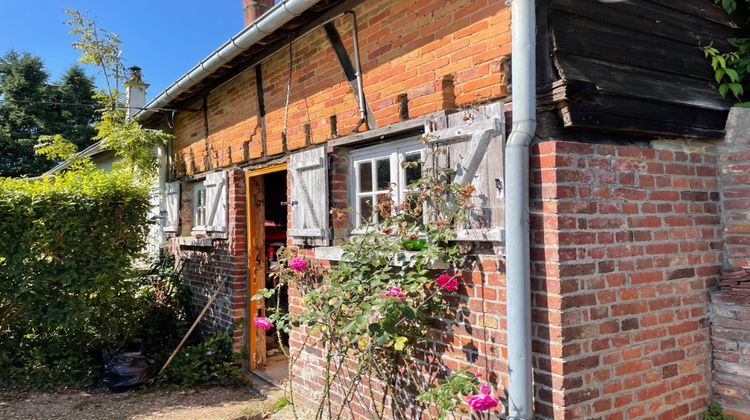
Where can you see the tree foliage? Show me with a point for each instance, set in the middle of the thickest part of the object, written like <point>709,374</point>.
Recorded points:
<point>32,106</point>
<point>732,68</point>
<point>130,141</point>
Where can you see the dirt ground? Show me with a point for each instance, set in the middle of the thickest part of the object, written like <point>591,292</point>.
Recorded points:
<point>199,404</point>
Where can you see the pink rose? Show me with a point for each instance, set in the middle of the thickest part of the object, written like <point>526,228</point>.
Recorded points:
<point>484,400</point>
<point>447,282</point>
<point>298,264</point>
<point>263,323</point>
<point>395,292</point>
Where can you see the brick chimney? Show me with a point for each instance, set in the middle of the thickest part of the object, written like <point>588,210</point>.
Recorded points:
<point>253,9</point>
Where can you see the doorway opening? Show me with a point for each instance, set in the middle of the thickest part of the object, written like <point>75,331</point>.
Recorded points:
<point>267,232</point>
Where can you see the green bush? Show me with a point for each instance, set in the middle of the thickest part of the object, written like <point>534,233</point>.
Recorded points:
<point>67,245</point>
<point>69,289</point>
<point>208,362</point>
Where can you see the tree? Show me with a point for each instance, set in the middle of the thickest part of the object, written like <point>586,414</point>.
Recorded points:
<point>31,106</point>
<point>23,84</point>
<point>76,117</point>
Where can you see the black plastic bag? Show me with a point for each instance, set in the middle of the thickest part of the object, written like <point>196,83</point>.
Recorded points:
<point>128,370</point>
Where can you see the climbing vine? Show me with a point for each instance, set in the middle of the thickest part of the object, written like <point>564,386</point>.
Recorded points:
<point>376,313</point>
<point>732,68</point>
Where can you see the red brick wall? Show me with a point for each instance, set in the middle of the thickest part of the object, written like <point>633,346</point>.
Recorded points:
<point>627,242</point>
<point>441,53</point>
<point>204,266</point>
<point>471,337</point>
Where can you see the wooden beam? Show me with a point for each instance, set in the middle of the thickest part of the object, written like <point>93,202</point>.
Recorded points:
<point>346,65</point>
<point>413,126</point>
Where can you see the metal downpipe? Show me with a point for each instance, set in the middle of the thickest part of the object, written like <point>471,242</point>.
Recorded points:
<point>520,392</point>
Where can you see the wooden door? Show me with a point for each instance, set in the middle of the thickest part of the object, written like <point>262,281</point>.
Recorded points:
<point>257,260</point>
<point>256,266</point>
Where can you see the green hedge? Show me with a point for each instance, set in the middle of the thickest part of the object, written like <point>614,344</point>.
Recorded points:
<point>67,245</point>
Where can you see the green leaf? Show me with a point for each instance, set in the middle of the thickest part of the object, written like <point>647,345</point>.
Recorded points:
<point>723,90</point>
<point>737,89</point>
<point>732,73</point>
<point>719,75</point>
<point>400,343</point>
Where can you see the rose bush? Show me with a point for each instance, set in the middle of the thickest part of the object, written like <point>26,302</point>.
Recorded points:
<point>376,306</point>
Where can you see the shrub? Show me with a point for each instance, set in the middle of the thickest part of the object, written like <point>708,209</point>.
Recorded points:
<point>208,362</point>
<point>67,245</point>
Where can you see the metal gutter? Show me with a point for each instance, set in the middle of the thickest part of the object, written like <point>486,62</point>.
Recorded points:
<point>272,20</point>
<point>92,150</point>
<point>520,387</point>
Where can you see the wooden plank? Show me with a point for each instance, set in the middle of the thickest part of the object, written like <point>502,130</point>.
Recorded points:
<point>704,9</point>
<point>641,117</point>
<point>546,74</point>
<point>414,126</point>
<point>267,170</point>
<point>625,80</point>
<point>644,16</point>
<point>589,38</point>
<point>256,266</point>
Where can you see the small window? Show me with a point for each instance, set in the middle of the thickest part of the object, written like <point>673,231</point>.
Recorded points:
<point>378,170</point>
<point>199,206</point>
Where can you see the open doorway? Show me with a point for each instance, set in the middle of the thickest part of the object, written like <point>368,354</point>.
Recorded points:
<point>267,227</point>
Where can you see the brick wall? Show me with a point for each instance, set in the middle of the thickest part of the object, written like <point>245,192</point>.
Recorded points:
<point>441,54</point>
<point>471,337</point>
<point>626,244</point>
<point>203,266</point>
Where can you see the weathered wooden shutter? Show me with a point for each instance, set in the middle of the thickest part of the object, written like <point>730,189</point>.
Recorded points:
<point>172,203</point>
<point>472,143</point>
<point>309,197</point>
<point>216,201</point>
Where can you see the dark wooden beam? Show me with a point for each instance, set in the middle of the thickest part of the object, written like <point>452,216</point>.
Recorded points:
<point>261,107</point>
<point>346,65</point>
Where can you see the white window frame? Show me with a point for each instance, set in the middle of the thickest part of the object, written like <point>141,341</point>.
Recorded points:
<point>199,189</point>
<point>395,152</point>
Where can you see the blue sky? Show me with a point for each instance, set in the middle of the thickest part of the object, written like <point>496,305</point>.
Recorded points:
<point>164,37</point>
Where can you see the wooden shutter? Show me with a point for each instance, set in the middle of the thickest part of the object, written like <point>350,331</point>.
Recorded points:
<point>309,197</point>
<point>472,143</point>
<point>172,203</point>
<point>216,201</point>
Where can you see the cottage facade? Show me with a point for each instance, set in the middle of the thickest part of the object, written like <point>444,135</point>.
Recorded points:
<point>628,196</point>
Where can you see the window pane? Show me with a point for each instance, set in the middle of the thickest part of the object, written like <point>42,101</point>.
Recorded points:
<point>412,171</point>
<point>384,174</point>
<point>365,177</point>
<point>365,209</point>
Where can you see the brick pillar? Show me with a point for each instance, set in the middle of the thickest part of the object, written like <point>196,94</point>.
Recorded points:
<point>626,242</point>
<point>734,178</point>
<point>236,267</point>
